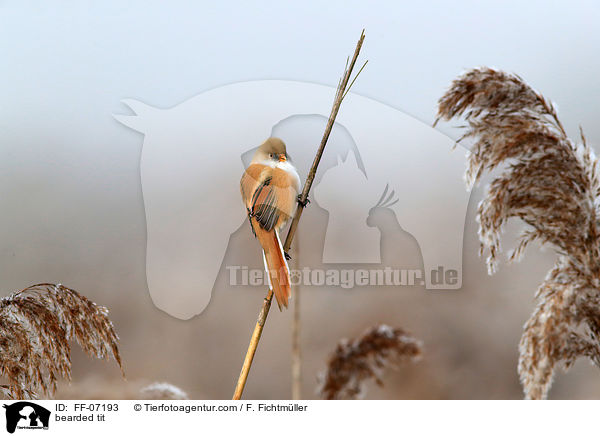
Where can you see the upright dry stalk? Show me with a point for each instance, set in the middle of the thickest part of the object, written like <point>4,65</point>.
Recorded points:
<point>552,185</point>
<point>364,358</point>
<point>36,325</point>
<point>296,350</point>
<point>342,90</point>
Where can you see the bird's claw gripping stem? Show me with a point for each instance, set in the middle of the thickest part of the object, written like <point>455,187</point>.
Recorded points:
<point>303,203</point>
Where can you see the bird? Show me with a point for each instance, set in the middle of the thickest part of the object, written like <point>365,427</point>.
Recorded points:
<point>269,188</point>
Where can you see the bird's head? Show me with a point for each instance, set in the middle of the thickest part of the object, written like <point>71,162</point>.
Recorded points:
<point>273,149</point>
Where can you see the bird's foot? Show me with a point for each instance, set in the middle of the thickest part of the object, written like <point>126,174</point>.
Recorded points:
<point>287,256</point>
<point>303,203</point>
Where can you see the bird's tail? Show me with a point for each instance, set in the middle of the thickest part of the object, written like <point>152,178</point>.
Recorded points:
<point>276,265</point>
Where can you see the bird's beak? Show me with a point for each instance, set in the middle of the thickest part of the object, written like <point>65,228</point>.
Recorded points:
<point>282,158</point>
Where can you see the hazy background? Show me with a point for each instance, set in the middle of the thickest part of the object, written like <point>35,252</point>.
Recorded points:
<point>72,209</point>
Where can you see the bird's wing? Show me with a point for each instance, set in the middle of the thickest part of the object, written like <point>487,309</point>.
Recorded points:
<point>269,195</point>
<point>264,204</point>
<point>251,179</point>
<point>260,196</point>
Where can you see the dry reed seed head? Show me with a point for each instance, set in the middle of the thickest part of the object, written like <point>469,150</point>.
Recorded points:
<point>36,325</point>
<point>551,184</point>
<point>364,358</point>
<point>163,391</point>
<point>9,393</point>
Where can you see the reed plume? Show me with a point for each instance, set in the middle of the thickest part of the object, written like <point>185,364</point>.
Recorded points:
<point>364,358</point>
<point>36,325</point>
<point>551,184</point>
<point>163,391</point>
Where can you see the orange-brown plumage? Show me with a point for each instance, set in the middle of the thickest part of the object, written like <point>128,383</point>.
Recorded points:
<point>269,188</point>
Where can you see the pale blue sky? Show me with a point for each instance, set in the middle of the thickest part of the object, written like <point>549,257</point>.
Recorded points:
<point>69,172</point>
<point>78,59</point>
